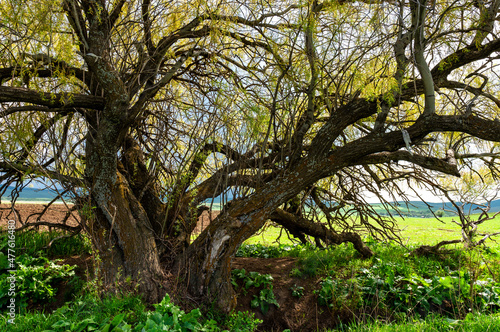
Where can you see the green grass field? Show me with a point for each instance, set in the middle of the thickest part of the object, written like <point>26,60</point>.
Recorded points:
<point>414,231</point>
<point>430,231</point>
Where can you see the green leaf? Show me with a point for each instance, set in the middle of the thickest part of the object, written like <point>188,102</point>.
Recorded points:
<point>264,307</point>
<point>255,302</point>
<point>61,323</point>
<point>117,320</point>
<point>447,282</point>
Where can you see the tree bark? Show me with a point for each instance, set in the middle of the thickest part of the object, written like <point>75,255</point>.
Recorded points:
<point>207,261</point>
<point>124,241</point>
<point>120,229</point>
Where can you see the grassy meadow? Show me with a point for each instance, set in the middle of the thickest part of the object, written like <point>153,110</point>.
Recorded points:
<point>413,231</point>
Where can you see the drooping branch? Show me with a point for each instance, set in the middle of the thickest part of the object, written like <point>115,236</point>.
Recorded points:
<point>39,171</point>
<point>400,46</point>
<point>476,91</point>
<point>201,157</point>
<point>306,120</point>
<point>152,90</point>
<point>74,229</point>
<point>145,7</point>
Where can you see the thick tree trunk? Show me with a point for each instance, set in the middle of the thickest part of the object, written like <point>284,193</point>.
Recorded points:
<point>120,229</point>
<point>123,238</point>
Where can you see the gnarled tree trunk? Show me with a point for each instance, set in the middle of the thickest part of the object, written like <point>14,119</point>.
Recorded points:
<point>207,261</point>
<point>124,240</point>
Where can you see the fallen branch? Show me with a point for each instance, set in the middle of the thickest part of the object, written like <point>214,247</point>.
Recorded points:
<point>426,250</point>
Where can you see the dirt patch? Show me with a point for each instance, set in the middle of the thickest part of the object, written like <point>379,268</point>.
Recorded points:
<point>25,212</point>
<point>56,213</point>
<point>297,313</point>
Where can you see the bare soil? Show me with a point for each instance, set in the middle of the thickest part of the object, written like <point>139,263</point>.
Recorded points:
<point>23,213</point>
<point>294,313</point>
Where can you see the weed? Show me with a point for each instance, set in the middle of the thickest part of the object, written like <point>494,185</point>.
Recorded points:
<point>49,244</point>
<point>314,261</point>
<point>297,291</point>
<point>242,322</point>
<point>295,273</point>
<point>262,251</point>
<point>434,323</point>
<point>254,279</point>
<point>338,293</point>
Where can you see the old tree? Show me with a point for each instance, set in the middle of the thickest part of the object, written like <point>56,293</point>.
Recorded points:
<point>291,111</point>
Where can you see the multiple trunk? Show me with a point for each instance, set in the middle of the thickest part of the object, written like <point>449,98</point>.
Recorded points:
<point>131,228</point>
<point>131,225</point>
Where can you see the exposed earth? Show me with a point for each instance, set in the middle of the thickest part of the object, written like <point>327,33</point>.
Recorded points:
<point>27,212</point>
<point>295,313</point>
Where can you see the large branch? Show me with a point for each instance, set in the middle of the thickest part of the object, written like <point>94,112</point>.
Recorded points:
<point>354,152</point>
<point>486,22</point>
<point>418,9</point>
<point>52,100</point>
<point>17,71</point>
<point>115,12</point>
<point>336,124</point>
<point>463,57</point>
<point>77,22</point>
<point>447,166</point>
<point>299,224</point>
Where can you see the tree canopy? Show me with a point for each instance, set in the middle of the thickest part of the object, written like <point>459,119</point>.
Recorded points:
<point>291,111</point>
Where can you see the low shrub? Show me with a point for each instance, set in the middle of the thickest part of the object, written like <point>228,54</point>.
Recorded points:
<point>35,280</point>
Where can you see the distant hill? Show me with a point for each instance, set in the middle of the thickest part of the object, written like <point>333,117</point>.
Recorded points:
<point>420,209</point>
